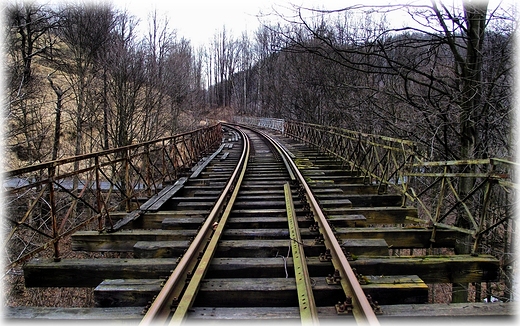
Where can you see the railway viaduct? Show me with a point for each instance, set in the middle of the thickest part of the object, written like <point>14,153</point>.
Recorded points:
<point>264,219</point>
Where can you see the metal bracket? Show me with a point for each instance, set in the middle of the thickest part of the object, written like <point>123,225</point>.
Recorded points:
<point>314,227</point>
<point>345,307</point>
<point>348,255</point>
<point>326,256</point>
<point>375,305</point>
<point>334,279</point>
<point>361,279</point>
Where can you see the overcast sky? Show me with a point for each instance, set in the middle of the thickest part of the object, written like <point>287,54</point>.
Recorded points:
<point>198,20</point>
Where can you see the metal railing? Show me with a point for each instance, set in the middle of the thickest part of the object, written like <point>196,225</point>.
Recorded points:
<point>270,123</point>
<point>483,208</point>
<point>46,202</point>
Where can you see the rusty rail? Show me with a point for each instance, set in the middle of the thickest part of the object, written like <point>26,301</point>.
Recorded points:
<point>180,290</point>
<point>362,308</point>
<point>44,203</point>
<point>434,187</point>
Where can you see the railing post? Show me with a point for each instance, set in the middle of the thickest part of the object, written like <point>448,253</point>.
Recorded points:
<point>147,162</point>
<point>484,213</point>
<point>164,171</point>
<point>127,182</point>
<point>52,203</point>
<point>99,199</point>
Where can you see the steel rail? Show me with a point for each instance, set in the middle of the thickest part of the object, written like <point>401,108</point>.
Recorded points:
<point>188,298</point>
<point>306,302</point>
<point>362,309</point>
<point>160,310</point>
<point>308,309</point>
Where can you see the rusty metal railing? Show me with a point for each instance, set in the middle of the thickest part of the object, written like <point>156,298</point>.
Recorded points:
<point>483,211</point>
<point>46,202</point>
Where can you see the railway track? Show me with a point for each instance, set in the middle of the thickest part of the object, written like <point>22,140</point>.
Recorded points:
<point>260,231</point>
<point>264,198</point>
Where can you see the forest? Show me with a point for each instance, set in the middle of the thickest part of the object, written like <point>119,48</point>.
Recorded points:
<point>81,78</point>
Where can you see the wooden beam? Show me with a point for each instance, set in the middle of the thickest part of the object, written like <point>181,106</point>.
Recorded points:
<point>107,316</point>
<point>397,237</point>
<point>261,292</point>
<point>126,292</point>
<point>374,215</point>
<point>501,312</point>
<point>258,248</point>
<point>91,272</point>
<point>124,240</point>
<point>460,312</point>
<point>198,169</point>
<point>155,202</point>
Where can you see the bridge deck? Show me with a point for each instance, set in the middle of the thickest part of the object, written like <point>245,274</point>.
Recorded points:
<point>372,227</point>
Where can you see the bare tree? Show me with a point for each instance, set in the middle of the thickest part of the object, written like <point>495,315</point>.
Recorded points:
<point>433,69</point>
<point>29,37</point>
<point>85,30</point>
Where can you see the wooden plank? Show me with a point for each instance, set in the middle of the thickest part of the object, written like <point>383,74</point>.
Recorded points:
<point>457,312</point>
<point>365,247</point>
<point>201,167</point>
<point>157,196</point>
<point>109,316</point>
<point>229,248</point>
<point>317,180</point>
<point>126,292</point>
<point>155,220</point>
<point>124,240</point>
<point>338,202</point>
<point>258,248</point>
<point>195,204</point>
<point>433,269</point>
<point>257,233</point>
<point>263,204</point>
<point>160,249</point>
<point>387,289</point>
<point>130,217</point>
<point>179,230</point>
<point>180,223</point>
<point>398,237</point>
<point>334,172</point>
<point>258,292</point>
<point>281,292</point>
<point>251,212</point>
<point>91,272</point>
<point>280,221</point>
<point>371,200</point>
<point>155,203</point>
<point>374,215</point>
<point>501,312</point>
